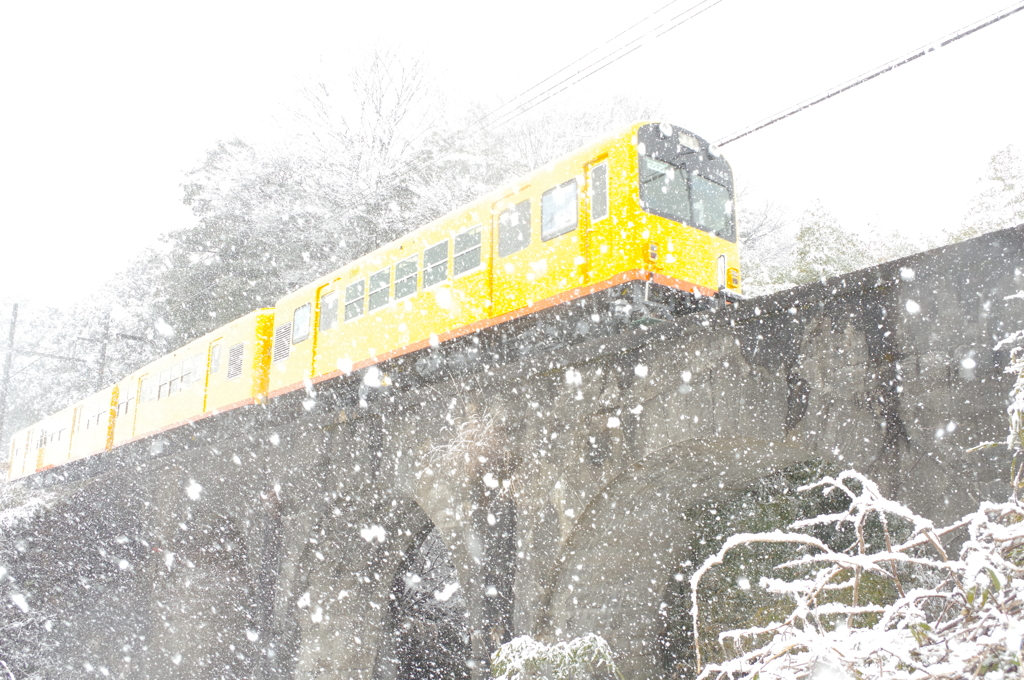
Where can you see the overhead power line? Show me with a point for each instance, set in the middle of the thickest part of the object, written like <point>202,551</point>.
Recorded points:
<point>533,87</point>
<point>628,48</point>
<point>874,73</point>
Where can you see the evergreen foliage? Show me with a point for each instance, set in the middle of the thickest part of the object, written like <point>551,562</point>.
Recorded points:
<point>1000,204</point>
<point>584,658</point>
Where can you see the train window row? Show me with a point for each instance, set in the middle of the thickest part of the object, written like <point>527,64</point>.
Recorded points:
<point>360,298</point>
<point>559,212</point>
<point>51,437</point>
<point>559,215</point>
<point>177,378</point>
<point>183,375</point>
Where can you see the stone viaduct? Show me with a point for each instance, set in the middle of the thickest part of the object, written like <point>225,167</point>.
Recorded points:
<point>271,543</point>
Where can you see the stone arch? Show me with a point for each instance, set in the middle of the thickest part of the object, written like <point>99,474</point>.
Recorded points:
<point>617,544</point>
<point>426,628</point>
<point>459,476</point>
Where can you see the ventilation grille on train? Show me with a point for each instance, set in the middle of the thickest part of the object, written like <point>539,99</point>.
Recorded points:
<point>235,360</point>
<point>282,341</point>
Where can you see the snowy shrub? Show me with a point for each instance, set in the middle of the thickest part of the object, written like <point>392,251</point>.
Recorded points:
<point>1015,438</point>
<point>469,453</point>
<point>943,614</point>
<point>902,607</point>
<point>583,658</point>
<point>954,618</point>
<point>19,504</point>
<point>729,596</point>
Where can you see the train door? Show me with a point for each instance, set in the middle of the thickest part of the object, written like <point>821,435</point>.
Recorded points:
<point>595,214</point>
<point>121,402</point>
<point>147,392</point>
<point>40,449</point>
<point>76,421</point>
<point>512,234</point>
<point>325,319</point>
<point>213,367</point>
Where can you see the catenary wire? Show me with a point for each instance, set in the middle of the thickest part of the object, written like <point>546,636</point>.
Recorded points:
<point>449,144</point>
<point>874,73</point>
<point>475,123</point>
<point>569,65</point>
<point>691,13</point>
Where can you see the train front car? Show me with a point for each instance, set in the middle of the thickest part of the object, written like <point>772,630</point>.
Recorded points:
<point>684,202</point>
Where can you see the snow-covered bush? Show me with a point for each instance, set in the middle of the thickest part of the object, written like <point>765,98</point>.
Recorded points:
<point>584,658</point>
<point>896,609</point>
<point>18,505</point>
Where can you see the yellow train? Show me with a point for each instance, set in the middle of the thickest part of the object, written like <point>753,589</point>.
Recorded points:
<point>653,204</point>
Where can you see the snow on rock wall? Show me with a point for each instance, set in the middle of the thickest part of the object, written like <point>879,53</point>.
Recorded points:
<point>276,543</point>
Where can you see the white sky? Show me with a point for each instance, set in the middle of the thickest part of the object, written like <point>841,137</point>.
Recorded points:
<point>106,105</point>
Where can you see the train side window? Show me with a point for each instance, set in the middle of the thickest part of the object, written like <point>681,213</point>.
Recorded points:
<point>215,359</point>
<point>329,310</point>
<point>196,373</point>
<point>186,373</point>
<point>514,229</point>
<point>599,192</point>
<point>435,264</point>
<point>235,355</point>
<point>354,294</point>
<point>125,401</point>
<point>300,323</point>
<point>405,277</point>
<point>174,384</point>
<point>467,250</point>
<point>148,388</point>
<point>558,210</point>
<point>165,379</point>
<point>380,289</point>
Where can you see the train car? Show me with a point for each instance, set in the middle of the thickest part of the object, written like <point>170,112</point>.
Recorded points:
<point>23,462</point>
<point>654,203</point>
<point>48,443</point>
<point>94,417</point>
<point>221,371</point>
<point>389,302</point>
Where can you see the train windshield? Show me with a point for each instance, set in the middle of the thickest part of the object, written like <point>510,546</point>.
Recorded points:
<point>663,190</point>
<point>684,194</point>
<point>712,207</point>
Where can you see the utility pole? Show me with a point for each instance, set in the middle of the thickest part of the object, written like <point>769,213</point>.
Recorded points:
<point>8,361</point>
